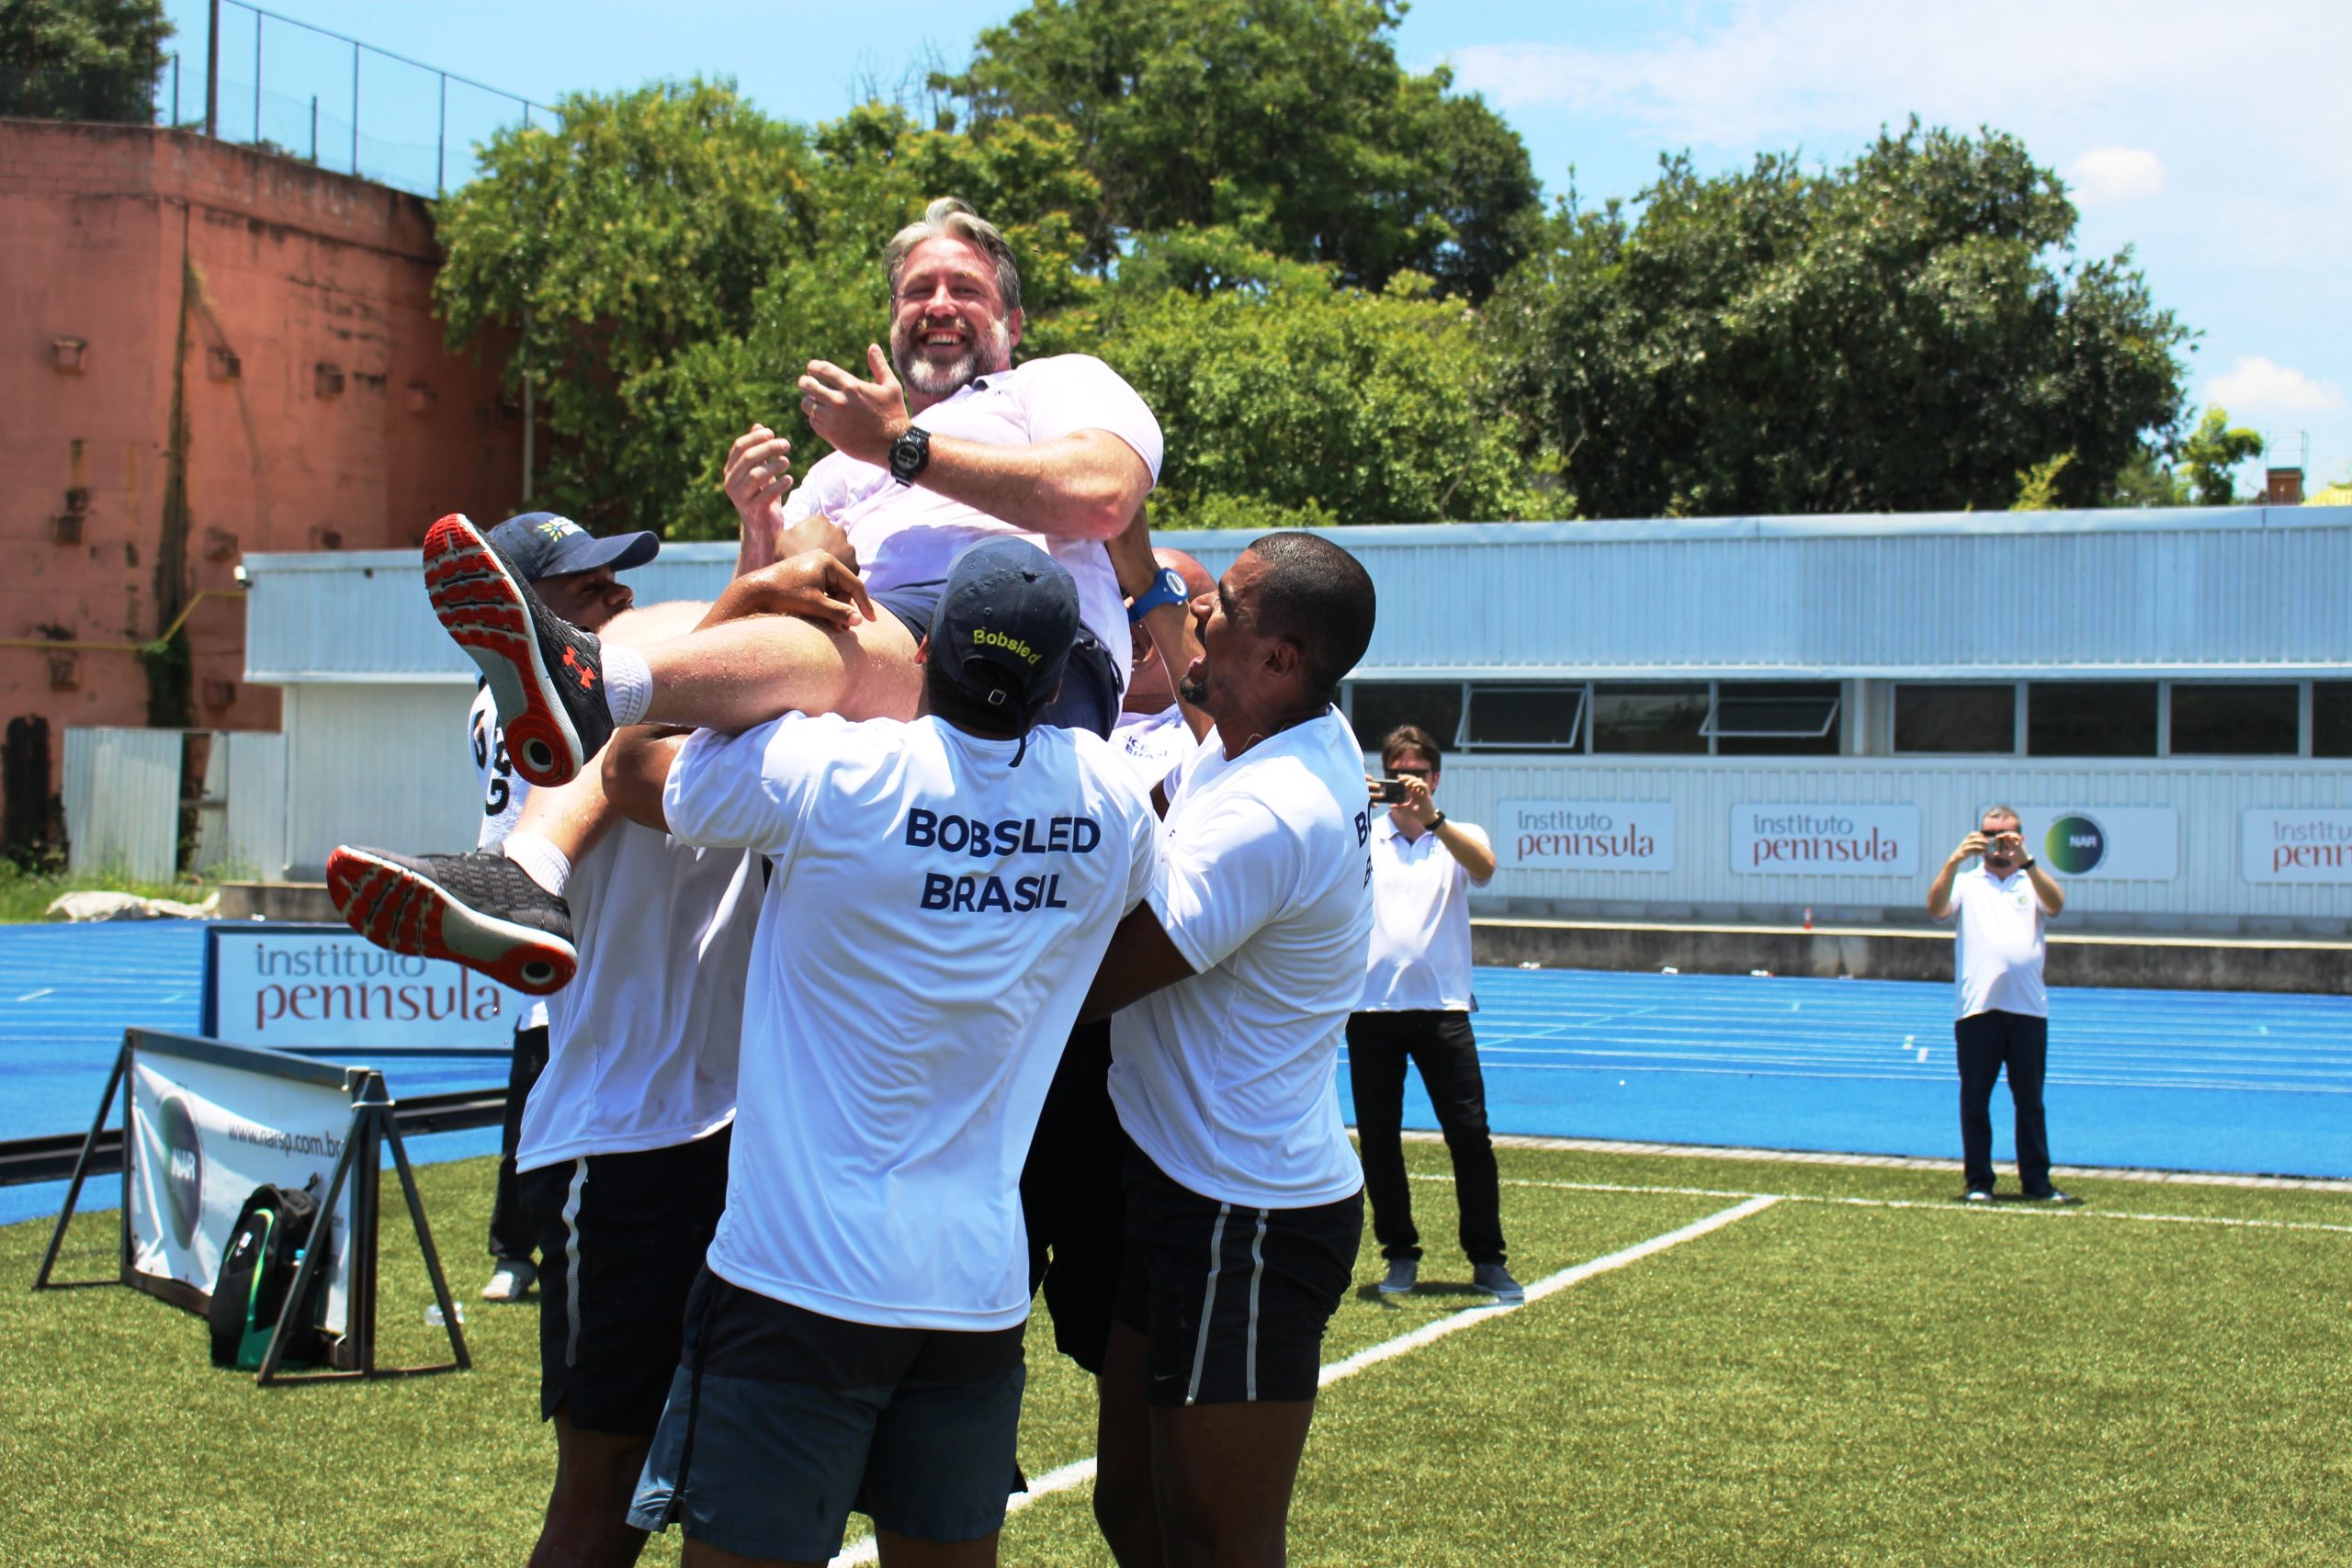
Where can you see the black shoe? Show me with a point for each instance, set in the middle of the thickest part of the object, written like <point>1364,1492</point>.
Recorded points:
<point>2052,1196</point>
<point>545,674</point>
<point>478,910</point>
<point>1496,1280</point>
<point>1403,1274</point>
<point>1977,1195</point>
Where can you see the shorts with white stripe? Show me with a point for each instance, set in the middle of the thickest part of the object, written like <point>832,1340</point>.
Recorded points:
<point>1233,1300</point>
<point>621,1241</point>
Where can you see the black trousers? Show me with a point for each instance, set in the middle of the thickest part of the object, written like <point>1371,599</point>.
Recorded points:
<point>1988,1042</point>
<point>1442,1046</point>
<point>512,1234</point>
<point>1072,1200</point>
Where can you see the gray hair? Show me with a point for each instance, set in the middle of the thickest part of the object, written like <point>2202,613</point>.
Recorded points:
<point>948,218</point>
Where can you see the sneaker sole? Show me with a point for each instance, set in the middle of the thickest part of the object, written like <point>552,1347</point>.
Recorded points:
<point>482,609</point>
<point>405,911</point>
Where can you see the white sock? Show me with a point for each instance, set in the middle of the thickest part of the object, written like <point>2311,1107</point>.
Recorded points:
<point>541,861</point>
<point>628,684</point>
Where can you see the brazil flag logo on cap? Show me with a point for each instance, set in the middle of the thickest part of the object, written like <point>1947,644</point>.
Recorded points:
<point>2074,845</point>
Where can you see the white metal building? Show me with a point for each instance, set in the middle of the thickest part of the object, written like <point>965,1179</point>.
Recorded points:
<point>1732,719</point>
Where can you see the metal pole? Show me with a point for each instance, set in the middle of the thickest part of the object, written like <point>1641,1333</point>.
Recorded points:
<point>212,72</point>
<point>175,92</point>
<point>315,130</point>
<point>441,144</point>
<point>530,424</point>
<point>257,20</point>
<point>355,108</point>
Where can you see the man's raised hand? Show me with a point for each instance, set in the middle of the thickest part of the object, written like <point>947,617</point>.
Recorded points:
<point>756,479</point>
<point>859,417</point>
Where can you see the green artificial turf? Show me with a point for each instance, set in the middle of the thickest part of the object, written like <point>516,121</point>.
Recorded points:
<point>1822,1380</point>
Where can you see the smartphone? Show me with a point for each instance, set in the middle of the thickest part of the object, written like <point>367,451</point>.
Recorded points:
<point>1389,792</point>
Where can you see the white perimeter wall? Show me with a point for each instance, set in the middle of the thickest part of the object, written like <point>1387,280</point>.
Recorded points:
<point>378,764</point>
<point>2208,893</point>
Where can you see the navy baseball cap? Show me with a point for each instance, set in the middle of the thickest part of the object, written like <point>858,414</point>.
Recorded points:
<point>1005,624</point>
<point>541,544</point>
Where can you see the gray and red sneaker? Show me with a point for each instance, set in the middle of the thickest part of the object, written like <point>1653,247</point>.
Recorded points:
<point>545,674</point>
<point>480,909</point>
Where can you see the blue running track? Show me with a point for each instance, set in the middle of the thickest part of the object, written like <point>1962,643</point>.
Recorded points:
<point>2182,1080</point>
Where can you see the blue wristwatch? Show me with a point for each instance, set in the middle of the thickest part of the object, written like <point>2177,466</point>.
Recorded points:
<point>1168,588</point>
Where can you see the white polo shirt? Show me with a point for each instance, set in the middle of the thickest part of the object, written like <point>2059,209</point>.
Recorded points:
<point>1996,960</point>
<point>1226,1079</point>
<point>908,535</point>
<point>503,792</point>
<point>641,1045</point>
<point>1420,922</point>
<point>1154,743</point>
<point>937,912</point>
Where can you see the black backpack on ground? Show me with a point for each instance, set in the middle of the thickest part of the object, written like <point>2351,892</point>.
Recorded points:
<point>257,1264</point>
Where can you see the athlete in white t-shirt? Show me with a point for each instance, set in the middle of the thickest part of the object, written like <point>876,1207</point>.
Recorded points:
<point>2001,1008</point>
<point>1245,1199</point>
<point>573,572</point>
<point>941,894</point>
<point>1416,1005</point>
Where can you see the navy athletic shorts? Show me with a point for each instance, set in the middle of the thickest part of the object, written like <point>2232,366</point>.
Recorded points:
<point>781,1421</point>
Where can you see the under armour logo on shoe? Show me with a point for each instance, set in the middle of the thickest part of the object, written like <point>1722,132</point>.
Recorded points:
<point>585,674</point>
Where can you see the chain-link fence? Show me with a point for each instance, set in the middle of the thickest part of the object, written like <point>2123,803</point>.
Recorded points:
<point>300,91</point>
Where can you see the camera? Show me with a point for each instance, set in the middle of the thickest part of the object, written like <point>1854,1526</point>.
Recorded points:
<point>1389,792</point>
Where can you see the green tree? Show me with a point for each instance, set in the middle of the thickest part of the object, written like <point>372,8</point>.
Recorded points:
<point>1286,398</point>
<point>2210,453</point>
<point>1288,120</point>
<point>81,59</point>
<point>1908,333</point>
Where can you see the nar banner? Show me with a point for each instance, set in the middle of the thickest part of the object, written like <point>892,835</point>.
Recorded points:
<point>1585,835</point>
<point>312,987</point>
<point>204,1135</point>
<point>1825,840</point>
<point>2297,845</point>
<point>2134,843</point>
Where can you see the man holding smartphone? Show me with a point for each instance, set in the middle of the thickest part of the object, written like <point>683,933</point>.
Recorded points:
<point>2002,1010</point>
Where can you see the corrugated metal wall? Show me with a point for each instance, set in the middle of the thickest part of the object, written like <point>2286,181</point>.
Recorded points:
<point>383,764</point>
<point>2210,800</point>
<point>122,801</point>
<point>245,835</point>
<point>2205,591</point>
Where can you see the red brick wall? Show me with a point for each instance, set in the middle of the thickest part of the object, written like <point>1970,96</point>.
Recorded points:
<point>302,275</point>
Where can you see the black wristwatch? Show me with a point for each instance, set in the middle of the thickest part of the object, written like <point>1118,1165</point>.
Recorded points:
<point>2028,864</point>
<point>1438,821</point>
<point>910,454</point>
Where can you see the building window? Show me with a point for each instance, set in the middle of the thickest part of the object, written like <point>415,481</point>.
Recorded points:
<point>1650,718</point>
<point>2090,719</point>
<point>1375,708</point>
<point>1941,720</point>
<point>1776,719</point>
<point>2221,720</point>
<point>2332,718</point>
<point>1530,717</point>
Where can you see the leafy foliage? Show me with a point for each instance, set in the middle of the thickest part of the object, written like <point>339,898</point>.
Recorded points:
<point>81,59</point>
<point>1886,336</point>
<point>2210,452</point>
<point>1287,121</point>
<point>1293,399</point>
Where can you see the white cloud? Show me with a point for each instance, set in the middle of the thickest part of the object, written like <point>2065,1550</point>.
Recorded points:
<point>2256,384</point>
<point>2107,174</point>
<point>2092,72</point>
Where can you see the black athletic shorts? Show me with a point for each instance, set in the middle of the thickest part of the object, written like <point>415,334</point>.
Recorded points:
<point>1071,1199</point>
<point>621,1240</point>
<point>1233,1300</point>
<point>782,1420</point>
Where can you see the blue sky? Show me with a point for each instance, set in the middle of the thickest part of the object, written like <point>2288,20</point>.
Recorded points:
<point>2215,141</point>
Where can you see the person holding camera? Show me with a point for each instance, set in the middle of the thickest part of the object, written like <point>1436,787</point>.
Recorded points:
<point>2003,1011</point>
<point>1417,1005</point>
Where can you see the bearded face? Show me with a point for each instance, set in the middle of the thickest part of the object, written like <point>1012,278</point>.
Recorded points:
<point>948,321</point>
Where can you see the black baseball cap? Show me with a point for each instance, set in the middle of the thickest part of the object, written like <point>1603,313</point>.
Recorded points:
<point>1005,624</point>
<point>541,544</point>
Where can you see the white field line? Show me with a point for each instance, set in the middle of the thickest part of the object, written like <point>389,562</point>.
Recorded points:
<point>1080,1472</point>
<point>1894,1162</point>
<point>2014,1210</point>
